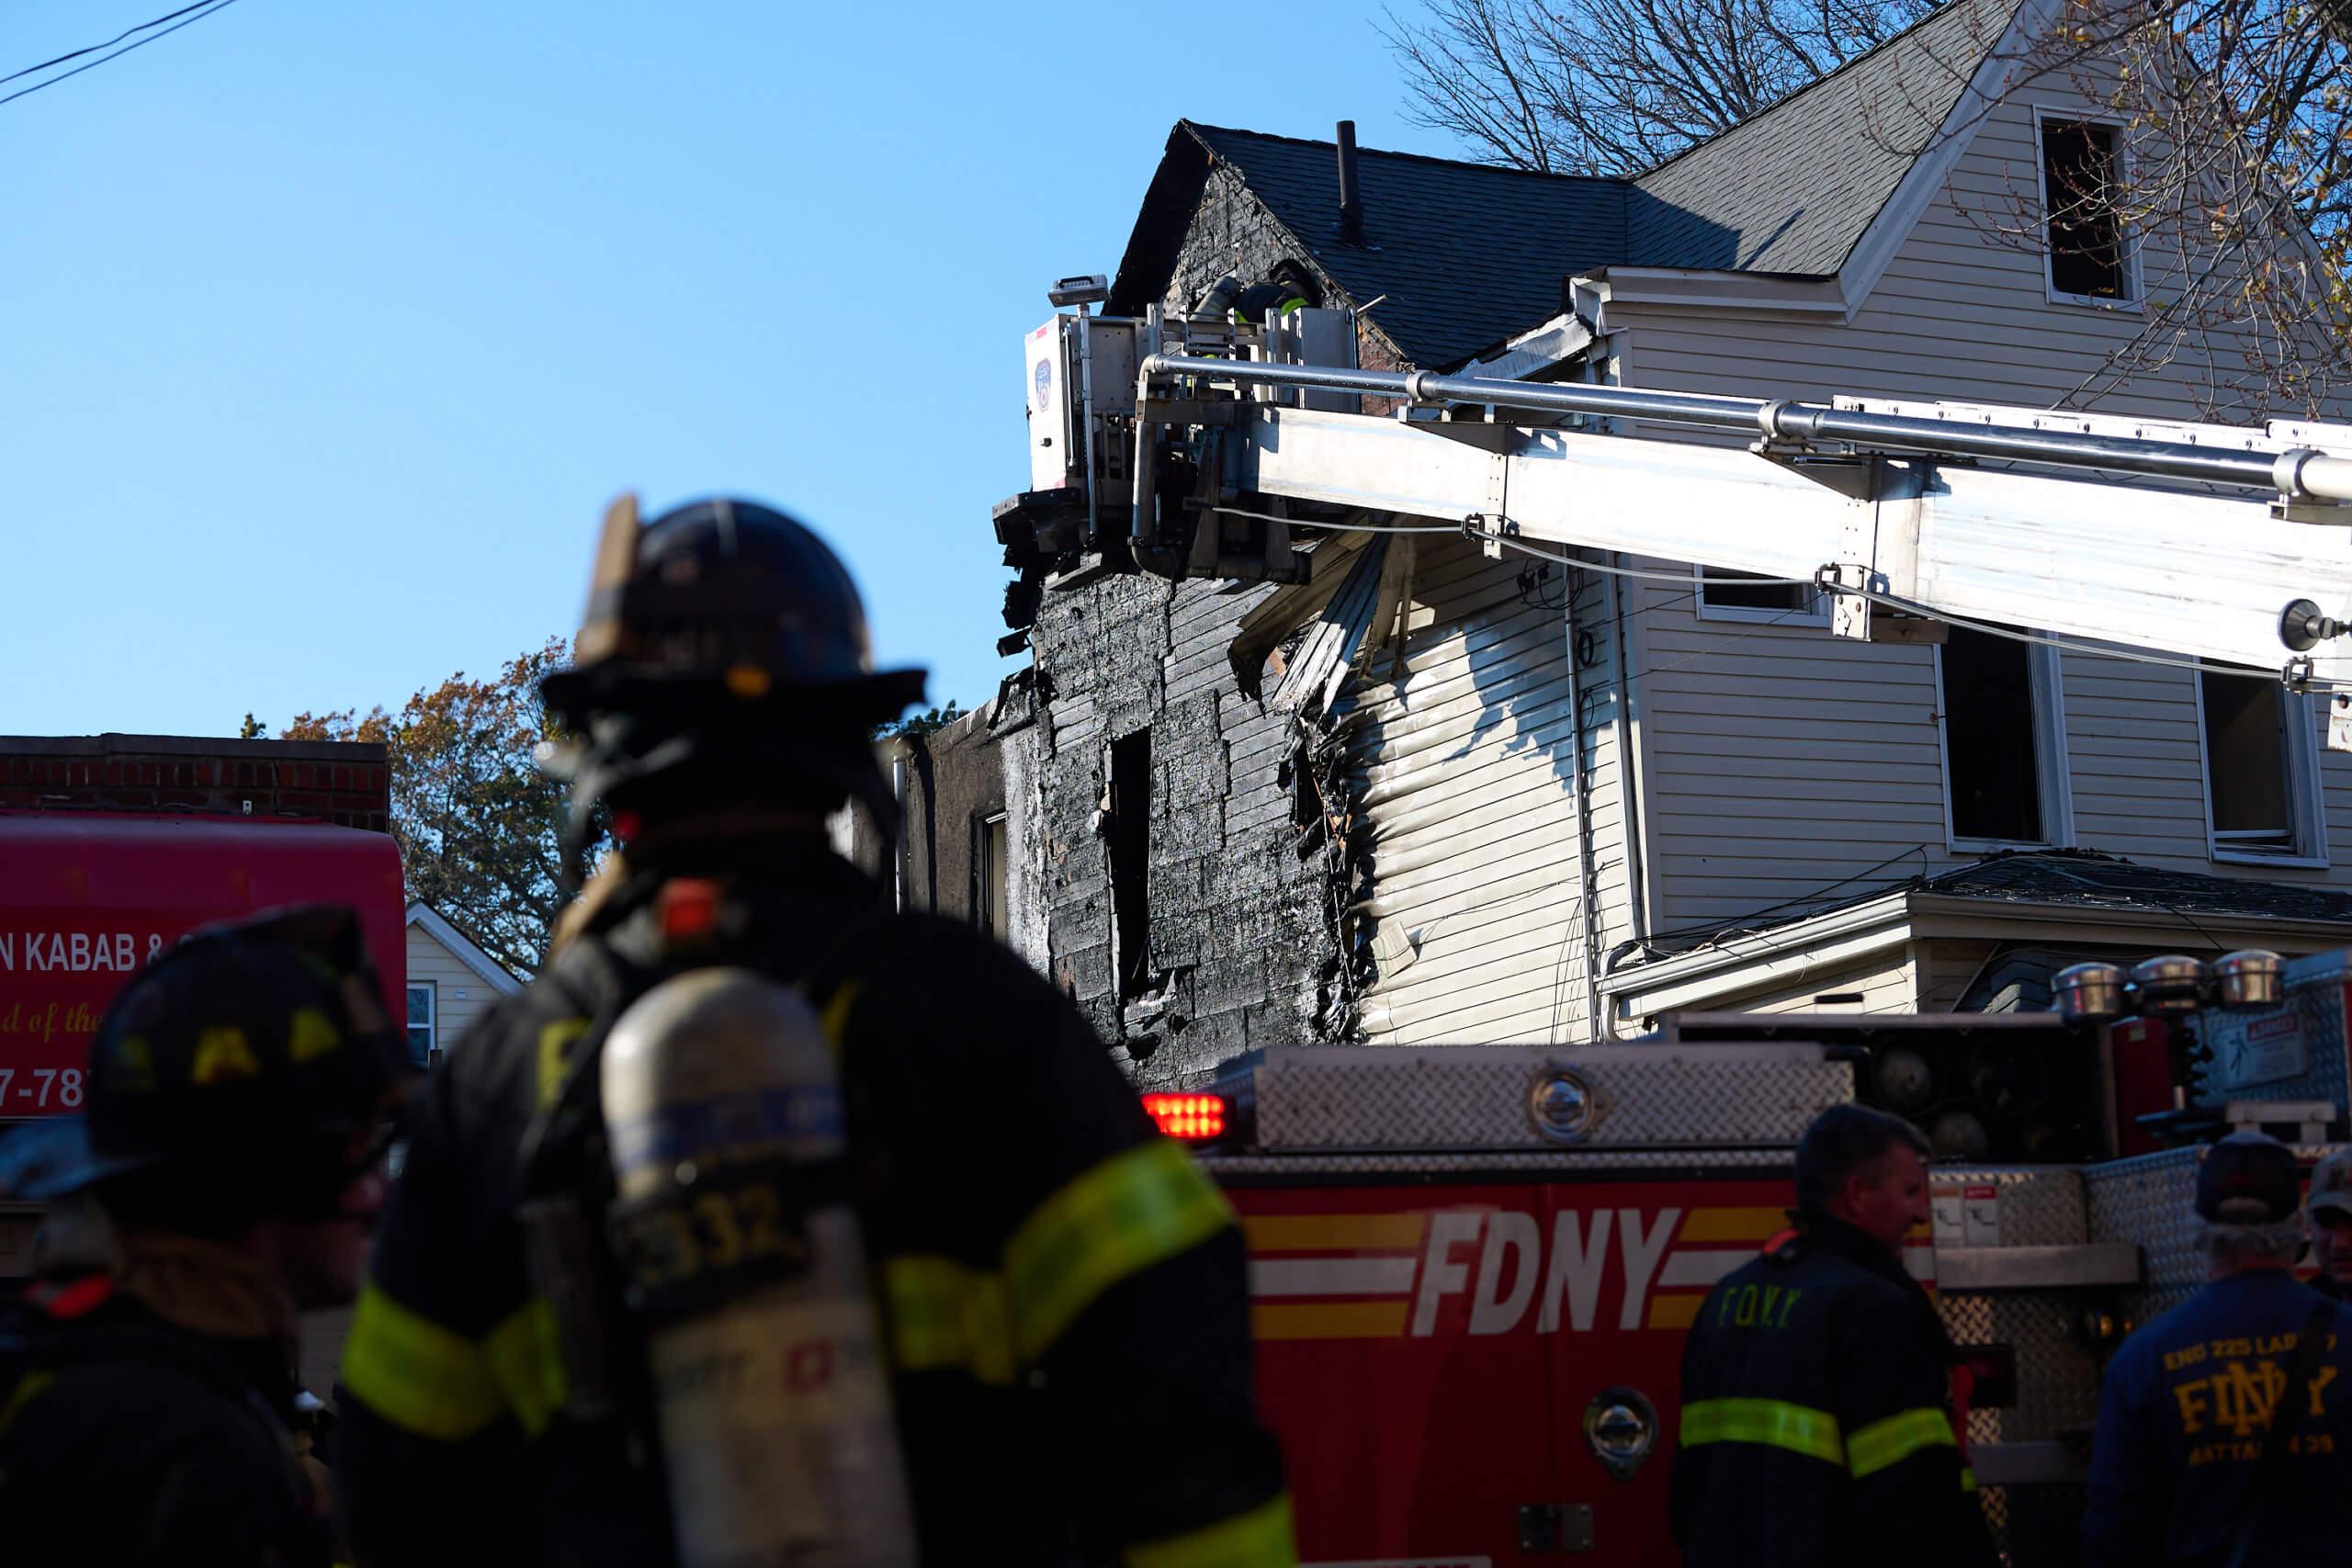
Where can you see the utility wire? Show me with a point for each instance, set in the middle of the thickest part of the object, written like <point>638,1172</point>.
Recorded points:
<point>179,19</point>
<point>2068,644</point>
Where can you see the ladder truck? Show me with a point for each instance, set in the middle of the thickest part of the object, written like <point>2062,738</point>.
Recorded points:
<point>1472,1265</point>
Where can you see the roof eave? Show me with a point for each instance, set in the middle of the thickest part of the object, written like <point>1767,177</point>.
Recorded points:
<point>461,947</point>
<point>1841,937</point>
<point>1873,250</point>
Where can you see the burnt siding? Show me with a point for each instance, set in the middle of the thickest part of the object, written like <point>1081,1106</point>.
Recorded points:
<point>1232,232</point>
<point>955,777</point>
<point>1237,932</point>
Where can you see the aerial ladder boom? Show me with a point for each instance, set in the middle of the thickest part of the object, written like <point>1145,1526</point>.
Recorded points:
<point>2227,543</point>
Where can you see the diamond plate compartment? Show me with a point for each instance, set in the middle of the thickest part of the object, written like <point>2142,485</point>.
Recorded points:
<point>1566,1162</point>
<point>1477,1097</point>
<point>2152,1200</point>
<point>2041,1205</point>
<point>2315,989</point>
<point>2057,1370</point>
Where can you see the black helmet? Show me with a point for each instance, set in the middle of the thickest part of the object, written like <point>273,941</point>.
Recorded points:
<point>724,648</point>
<point>229,1077</point>
<point>723,596</point>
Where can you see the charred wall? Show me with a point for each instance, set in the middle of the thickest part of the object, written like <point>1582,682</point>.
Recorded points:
<point>1239,947</point>
<point>952,781</point>
<point>1235,925</point>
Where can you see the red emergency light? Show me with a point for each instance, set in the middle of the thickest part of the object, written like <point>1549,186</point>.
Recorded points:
<point>1194,1118</point>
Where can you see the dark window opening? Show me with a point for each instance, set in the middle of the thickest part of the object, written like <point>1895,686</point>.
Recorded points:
<point>991,876</point>
<point>1720,589</point>
<point>2245,763</point>
<point>1128,832</point>
<point>2078,181</point>
<point>1988,737</point>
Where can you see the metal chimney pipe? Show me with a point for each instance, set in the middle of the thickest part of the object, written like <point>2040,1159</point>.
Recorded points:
<point>1351,199</point>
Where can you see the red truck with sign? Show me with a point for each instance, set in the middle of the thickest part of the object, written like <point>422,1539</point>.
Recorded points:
<point>112,847</point>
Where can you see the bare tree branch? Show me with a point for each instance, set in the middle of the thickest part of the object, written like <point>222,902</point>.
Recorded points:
<point>2235,195</point>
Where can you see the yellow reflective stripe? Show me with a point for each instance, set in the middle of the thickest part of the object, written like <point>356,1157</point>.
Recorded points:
<point>29,1387</point>
<point>945,1314</point>
<point>1259,1539</point>
<point>1134,1210</point>
<point>416,1373</point>
<point>834,1018</point>
<point>1967,1479</point>
<point>1772,1422</point>
<point>525,1359</point>
<point>554,1040</point>
<point>1896,1439</point>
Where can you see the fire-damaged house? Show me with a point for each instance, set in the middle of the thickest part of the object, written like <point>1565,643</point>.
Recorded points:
<point>1376,781</point>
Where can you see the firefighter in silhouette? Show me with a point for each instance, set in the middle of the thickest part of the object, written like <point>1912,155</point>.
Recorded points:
<point>1060,1293</point>
<point>223,1177</point>
<point>1814,1425</point>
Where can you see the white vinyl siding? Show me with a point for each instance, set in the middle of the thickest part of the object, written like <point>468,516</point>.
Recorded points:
<point>459,994</point>
<point>1469,761</point>
<point>1883,987</point>
<point>1784,769</point>
<point>1783,764</point>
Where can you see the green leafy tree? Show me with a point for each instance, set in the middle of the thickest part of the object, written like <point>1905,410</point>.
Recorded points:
<point>479,824</point>
<point>917,724</point>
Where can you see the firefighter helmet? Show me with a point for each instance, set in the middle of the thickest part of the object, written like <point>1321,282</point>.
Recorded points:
<point>723,596</point>
<point>724,650</point>
<point>236,1070</point>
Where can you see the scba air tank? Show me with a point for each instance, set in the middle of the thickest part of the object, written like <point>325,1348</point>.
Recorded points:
<point>744,1260</point>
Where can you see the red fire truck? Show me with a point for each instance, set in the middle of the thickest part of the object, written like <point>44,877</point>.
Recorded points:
<point>1472,1268</point>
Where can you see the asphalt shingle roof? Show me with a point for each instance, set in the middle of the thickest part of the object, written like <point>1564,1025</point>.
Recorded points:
<point>1468,254</point>
<point>2107,882</point>
<point>1792,190</point>
<point>2079,878</point>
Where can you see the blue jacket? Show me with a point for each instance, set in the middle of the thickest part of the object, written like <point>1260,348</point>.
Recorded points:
<point>2185,1403</point>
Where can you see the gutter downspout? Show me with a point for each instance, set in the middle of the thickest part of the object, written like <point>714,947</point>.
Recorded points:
<point>1629,783</point>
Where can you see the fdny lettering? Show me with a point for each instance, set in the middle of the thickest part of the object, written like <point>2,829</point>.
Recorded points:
<point>76,952</point>
<point>2239,1395</point>
<point>1513,1272</point>
<point>1757,1306</point>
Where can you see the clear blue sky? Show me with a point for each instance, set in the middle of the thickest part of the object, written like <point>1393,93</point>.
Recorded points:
<point>333,328</point>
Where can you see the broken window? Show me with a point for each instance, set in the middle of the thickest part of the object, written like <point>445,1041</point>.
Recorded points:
<point>2004,764</point>
<point>1127,832</point>
<point>2261,769</point>
<point>1744,596</point>
<point>991,876</point>
<point>2079,175</point>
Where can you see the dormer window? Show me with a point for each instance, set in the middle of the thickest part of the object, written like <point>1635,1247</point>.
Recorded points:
<point>2089,256</point>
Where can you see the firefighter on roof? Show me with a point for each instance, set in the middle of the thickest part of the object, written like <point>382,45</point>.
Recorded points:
<point>223,1178</point>
<point>1815,1429</point>
<point>622,1269</point>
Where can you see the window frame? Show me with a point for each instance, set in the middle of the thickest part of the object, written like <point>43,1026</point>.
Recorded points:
<point>2299,720</point>
<point>991,868</point>
<point>431,991</point>
<point>2134,301</point>
<point>2045,690</point>
<point>1816,616</point>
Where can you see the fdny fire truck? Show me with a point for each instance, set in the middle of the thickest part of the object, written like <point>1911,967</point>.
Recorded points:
<point>1472,1266</point>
